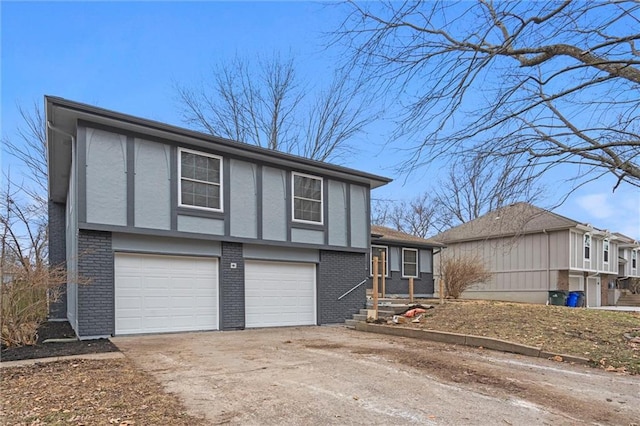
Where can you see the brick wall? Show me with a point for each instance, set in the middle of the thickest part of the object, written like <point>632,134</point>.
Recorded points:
<point>58,255</point>
<point>337,273</point>
<point>96,299</point>
<point>231,287</point>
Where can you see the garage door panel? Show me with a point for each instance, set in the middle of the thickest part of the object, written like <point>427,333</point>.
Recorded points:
<point>158,293</point>
<point>279,294</point>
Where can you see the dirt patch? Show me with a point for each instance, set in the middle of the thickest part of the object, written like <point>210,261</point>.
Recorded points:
<point>56,330</point>
<point>84,392</point>
<point>594,334</point>
<point>447,363</point>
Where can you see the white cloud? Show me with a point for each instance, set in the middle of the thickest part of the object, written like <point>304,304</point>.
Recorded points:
<point>596,205</point>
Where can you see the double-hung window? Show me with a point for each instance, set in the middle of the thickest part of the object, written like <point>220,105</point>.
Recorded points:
<point>587,246</point>
<point>200,180</point>
<point>634,259</point>
<point>409,263</point>
<point>307,198</point>
<point>376,251</point>
<point>605,251</point>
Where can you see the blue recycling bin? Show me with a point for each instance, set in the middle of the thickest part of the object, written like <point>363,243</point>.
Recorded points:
<point>572,300</point>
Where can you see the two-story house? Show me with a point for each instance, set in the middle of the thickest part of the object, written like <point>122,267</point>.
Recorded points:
<point>628,257</point>
<point>175,230</point>
<point>531,251</point>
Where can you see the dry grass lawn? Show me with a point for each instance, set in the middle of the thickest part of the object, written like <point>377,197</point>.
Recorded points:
<point>594,334</point>
<point>87,392</point>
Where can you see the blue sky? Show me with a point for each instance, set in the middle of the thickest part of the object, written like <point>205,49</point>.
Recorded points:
<point>126,56</point>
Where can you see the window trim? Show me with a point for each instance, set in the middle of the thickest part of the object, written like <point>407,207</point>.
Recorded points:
<point>221,185</point>
<point>371,259</point>
<point>293,198</point>
<point>605,250</point>
<point>417,275</point>
<point>634,259</point>
<point>585,246</point>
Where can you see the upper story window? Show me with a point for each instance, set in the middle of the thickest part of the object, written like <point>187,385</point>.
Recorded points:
<point>200,180</point>
<point>376,251</point>
<point>587,246</point>
<point>307,198</point>
<point>605,251</point>
<point>634,259</point>
<point>409,263</point>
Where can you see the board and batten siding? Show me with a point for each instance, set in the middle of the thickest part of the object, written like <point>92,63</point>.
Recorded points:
<point>595,263</point>
<point>131,181</point>
<point>525,263</point>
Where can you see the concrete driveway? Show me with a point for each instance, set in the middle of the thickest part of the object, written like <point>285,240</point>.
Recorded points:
<point>332,375</point>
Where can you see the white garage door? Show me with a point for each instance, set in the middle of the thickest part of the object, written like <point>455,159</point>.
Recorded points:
<point>280,294</point>
<point>155,293</point>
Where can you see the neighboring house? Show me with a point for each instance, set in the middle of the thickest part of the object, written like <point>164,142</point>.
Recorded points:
<point>530,251</point>
<point>180,231</point>
<point>628,257</point>
<point>406,256</point>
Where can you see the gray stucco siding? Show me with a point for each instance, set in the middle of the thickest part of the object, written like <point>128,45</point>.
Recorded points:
<point>274,204</point>
<point>106,178</point>
<point>152,185</point>
<point>165,245</point>
<point>359,217</point>
<point>337,210</point>
<point>308,236</point>
<point>243,202</point>
<point>200,225</point>
<point>285,254</point>
<point>131,181</point>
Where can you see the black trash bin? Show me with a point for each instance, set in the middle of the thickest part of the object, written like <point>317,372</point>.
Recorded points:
<point>558,297</point>
<point>581,299</point>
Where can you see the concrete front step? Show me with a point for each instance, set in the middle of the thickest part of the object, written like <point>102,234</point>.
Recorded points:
<point>629,300</point>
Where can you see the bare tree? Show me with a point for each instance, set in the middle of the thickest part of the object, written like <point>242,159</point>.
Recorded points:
<point>461,272</point>
<point>547,83</point>
<point>421,216</point>
<point>480,184</point>
<point>30,149</point>
<point>265,103</point>
<point>28,283</point>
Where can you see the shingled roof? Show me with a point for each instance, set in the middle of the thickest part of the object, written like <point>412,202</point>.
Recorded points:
<point>382,234</point>
<point>514,219</point>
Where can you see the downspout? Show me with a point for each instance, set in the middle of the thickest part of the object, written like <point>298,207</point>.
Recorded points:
<point>62,132</point>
